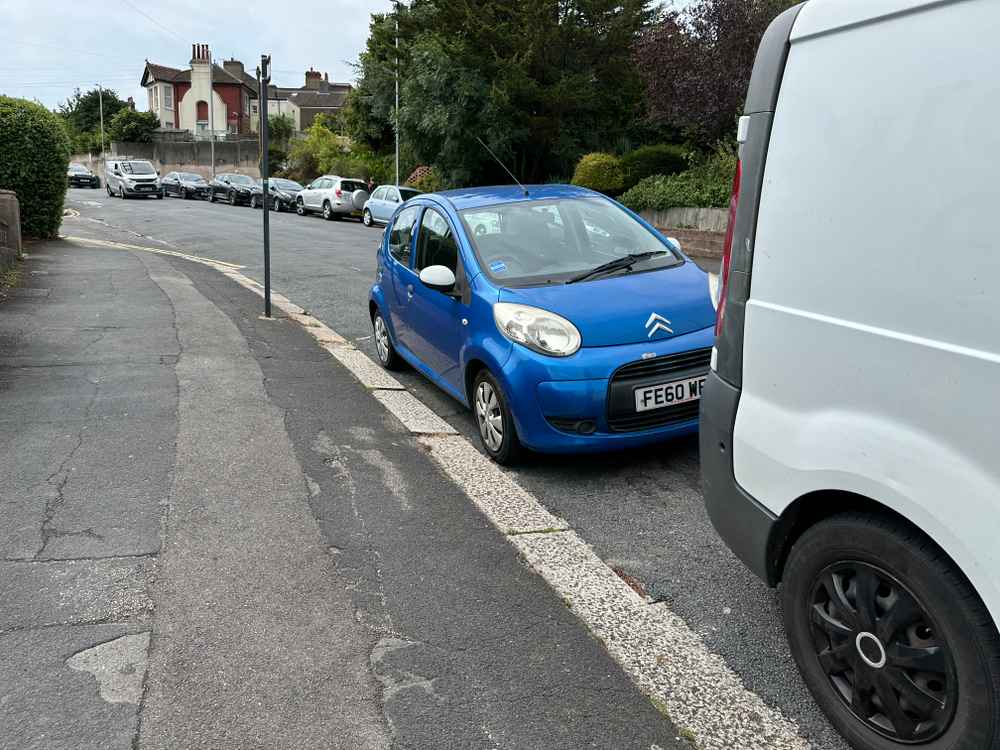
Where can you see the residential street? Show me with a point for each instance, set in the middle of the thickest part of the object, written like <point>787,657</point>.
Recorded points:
<point>279,560</point>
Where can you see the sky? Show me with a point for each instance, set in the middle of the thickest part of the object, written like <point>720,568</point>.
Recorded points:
<point>51,47</point>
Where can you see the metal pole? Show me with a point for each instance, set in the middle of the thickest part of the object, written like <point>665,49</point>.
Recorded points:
<point>397,93</point>
<point>100,104</point>
<point>211,110</point>
<point>263,78</point>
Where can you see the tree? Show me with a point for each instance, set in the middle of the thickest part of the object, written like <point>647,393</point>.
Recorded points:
<point>540,81</point>
<point>133,127</point>
<point>82,113</point>
<point>35,158</point>
<point>696,63</point>
<point>280,128</point>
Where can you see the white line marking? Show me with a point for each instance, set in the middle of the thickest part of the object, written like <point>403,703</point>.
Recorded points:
<point>219,264</point>
<point>655,647</point>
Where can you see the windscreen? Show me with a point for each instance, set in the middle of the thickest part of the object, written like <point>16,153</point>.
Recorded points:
<point>550,241</point>
<point>137,167</point>
<point>78,169</point>
<point>190,177</point>
<point>407,193</point>
<point>283,184</point>
<point>240,179</point>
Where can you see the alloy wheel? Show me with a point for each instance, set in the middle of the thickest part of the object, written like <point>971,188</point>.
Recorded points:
<point>367,218</point>
<point>489,416</point>
<point>327,213</point>
<point>882,653</point>
<point>381,339</point>
<point>253,201</point>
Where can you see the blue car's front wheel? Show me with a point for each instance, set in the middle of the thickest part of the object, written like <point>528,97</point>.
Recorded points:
<point>494,419</point>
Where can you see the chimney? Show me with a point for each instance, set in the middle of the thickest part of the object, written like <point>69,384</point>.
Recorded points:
<point>199,53</point>
<point>131,103</point>
<point>234,66</point>
<point>313,79</point>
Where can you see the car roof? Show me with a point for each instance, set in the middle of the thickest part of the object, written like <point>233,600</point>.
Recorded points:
<point>479,197</point>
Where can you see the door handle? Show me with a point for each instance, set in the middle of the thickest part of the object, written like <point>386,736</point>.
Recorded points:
<point>409,292</point>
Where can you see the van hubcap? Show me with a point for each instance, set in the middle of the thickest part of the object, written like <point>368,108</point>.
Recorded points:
<point>381,339</point>
<point>489,417</point>
<point>882,653</point>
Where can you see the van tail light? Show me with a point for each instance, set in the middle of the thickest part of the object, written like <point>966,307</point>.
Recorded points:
<point>727,250</point>
<point>337,192</point>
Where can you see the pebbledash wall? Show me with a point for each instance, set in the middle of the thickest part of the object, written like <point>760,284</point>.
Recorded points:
<point>241,156</point>
<point>10,229</point>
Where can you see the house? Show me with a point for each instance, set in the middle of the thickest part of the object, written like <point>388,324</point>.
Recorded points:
<point>317,96</point>
<point>180,98</point>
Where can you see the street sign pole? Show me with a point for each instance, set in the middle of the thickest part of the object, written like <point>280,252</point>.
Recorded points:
<point>263,79</point>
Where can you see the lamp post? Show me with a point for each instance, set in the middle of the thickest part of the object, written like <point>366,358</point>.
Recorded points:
<point>100,105</point>
<point>396,124</point>
<point>263,79</point>
<point>211,110</point>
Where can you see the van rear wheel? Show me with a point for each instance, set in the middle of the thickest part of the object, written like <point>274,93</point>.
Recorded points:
<point>890,638</point>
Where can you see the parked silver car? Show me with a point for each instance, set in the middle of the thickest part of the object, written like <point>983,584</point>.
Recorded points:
<point>383,204</point>
<point>335,197</point>
<point>130,178</point>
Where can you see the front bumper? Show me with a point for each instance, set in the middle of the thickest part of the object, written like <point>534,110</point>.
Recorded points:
<point>750,530</point>
<point>152,190</point>
<point>548,394</point>
<point>88,182</point>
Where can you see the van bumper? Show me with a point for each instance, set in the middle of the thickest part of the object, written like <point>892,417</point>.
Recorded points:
<point>742,522</point>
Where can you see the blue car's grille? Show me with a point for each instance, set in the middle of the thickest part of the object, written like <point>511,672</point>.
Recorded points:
<point>622,416</point>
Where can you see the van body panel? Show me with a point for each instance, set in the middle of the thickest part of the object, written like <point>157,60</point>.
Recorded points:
<point>871,352</point>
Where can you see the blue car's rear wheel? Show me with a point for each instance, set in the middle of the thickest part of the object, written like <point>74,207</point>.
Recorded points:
<point>494,419</point>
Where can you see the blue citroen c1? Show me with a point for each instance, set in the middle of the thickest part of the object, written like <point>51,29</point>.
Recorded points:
<point>562,319</point>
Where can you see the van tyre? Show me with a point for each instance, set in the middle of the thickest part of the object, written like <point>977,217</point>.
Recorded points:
<point>387,355</point>
<point>892,641</point>
<point>494,420</point>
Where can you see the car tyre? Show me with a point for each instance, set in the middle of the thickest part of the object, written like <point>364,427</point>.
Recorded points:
<point>253,201</point>
<point>300,207</point>
<point>159,195</point>
<point>497,432</point>
<point>232,198</point>
<point>366,218</point>
<point>211,196</point>
<point>327,211</point>
<point>388,357</point>
<point>879,618</point>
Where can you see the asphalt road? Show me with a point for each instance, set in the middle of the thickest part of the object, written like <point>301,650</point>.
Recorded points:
<point>641,510</point>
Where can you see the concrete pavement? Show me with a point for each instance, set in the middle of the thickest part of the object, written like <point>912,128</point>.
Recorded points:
<point>210,539</point>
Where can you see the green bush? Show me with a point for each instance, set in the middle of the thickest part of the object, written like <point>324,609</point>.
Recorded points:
<point>707,184</point>
<point>600,172</point>
<point>35,157</point>
<point>133,127</point>
<point>665,159</point>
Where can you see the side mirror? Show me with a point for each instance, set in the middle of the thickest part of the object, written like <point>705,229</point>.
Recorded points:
<point>438,278</point>
<point>674,244</point>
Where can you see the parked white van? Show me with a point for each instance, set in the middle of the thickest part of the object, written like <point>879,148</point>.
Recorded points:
<point>850,426</point>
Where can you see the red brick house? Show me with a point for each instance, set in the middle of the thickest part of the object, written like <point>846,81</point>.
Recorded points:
<point>180,98</point>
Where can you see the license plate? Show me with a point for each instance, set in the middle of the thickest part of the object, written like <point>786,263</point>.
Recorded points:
<point>663,395</point>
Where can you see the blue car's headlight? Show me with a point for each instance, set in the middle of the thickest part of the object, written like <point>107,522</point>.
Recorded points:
<point>539,330</point>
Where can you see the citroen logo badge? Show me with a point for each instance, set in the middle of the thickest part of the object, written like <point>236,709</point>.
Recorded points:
<point>656,323</point>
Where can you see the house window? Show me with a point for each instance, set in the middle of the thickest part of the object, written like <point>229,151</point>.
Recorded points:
<point>154,98</point>
<point>168,97</point>
<point>246,103</point>
<point>201,115</point>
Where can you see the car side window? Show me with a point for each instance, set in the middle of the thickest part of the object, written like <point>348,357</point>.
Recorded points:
<point>378,194</point>
<point>392,195</point>
<point>436,243</point>
<point>401,234</point>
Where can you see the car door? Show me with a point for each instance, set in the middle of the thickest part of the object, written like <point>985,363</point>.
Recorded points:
<point>390,201</point>
<point>435,318</point>
<point>375,204</point>
<point>321,193</point>
<point>399,238</point>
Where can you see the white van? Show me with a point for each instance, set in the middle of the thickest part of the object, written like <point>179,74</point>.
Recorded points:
<point>850,427</point>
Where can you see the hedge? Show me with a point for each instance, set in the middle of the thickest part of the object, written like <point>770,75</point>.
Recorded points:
<point>600,172</point>
<point>708,184</point>
<point>35,156</point>
<point>665,159</point>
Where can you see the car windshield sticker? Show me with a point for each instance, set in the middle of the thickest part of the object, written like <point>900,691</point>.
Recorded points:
<point>498,266</point>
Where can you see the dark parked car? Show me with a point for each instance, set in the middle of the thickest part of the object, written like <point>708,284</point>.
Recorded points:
<point>234,188</point>
<point>283,193</point>
<point>79,176</point>
<point>185,185</point>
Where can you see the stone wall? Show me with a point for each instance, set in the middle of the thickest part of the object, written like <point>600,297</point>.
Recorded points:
<point>701,231</point>
<point>10,229</point>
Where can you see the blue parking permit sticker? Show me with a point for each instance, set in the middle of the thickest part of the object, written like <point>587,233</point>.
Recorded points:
<point>498,266</point>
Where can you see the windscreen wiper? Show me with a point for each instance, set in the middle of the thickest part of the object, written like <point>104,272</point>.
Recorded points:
<point>618,264</point>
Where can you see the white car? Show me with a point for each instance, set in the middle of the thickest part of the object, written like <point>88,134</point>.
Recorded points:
<point>332,196</point>
<point>849,424</point>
